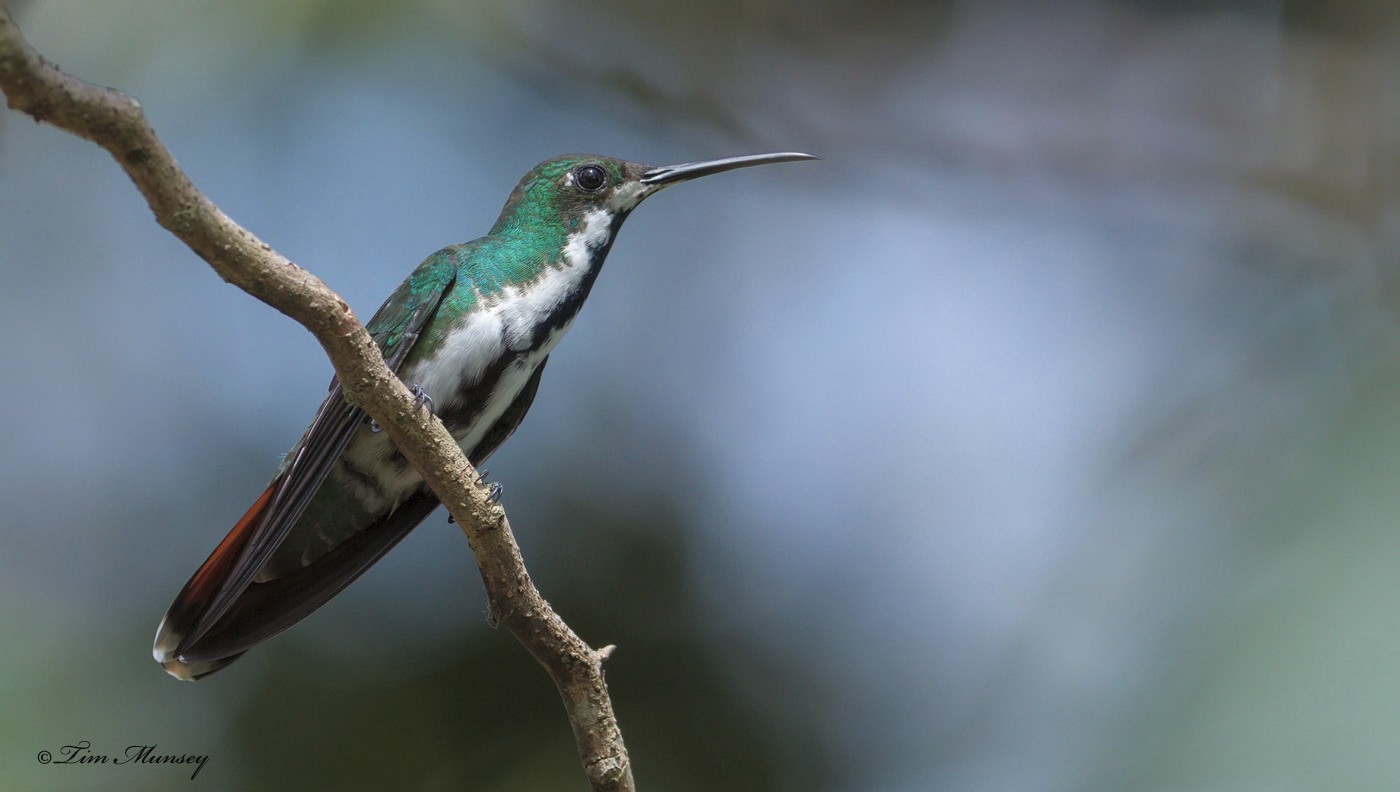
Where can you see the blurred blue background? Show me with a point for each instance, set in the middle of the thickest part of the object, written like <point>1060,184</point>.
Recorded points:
<point>1043,437</point>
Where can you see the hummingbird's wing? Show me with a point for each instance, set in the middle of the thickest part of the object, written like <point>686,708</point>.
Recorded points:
<point>267,608</point>
<point>226,577</point>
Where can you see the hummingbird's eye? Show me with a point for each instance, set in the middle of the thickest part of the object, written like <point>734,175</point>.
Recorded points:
<point>590,178</point>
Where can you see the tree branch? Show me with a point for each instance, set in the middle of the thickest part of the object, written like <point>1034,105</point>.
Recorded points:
<point>115,122</point>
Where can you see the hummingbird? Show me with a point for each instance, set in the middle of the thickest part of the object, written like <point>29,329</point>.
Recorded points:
<point>469,332</point>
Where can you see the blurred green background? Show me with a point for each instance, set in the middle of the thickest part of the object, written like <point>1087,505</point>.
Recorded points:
<point>1043,437</point>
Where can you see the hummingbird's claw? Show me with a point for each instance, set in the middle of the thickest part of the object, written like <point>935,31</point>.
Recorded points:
<point>421,398</point>
<point>493,494</point>
<point>491,620</point>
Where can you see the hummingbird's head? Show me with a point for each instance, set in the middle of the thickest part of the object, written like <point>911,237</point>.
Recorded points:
<point>566,190</point>
<point>576,189</point>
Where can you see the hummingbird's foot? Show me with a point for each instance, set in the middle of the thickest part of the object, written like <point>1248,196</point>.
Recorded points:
<point>421,398</point>
<point>491,620</point>
<point>493,493</point>
<point>374,426</point>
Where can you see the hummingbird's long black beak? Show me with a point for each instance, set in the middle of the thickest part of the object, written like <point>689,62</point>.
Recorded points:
<point>671,174</point>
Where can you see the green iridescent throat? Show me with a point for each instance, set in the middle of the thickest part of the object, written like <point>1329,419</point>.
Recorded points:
<point>528,238</point>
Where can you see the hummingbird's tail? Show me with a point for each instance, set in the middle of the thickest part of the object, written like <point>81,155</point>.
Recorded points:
<point>174,666</point>
<point>196,638</point>
<point>195,596</point>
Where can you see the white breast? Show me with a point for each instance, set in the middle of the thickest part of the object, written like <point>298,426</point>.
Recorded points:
<point>505,322</point>
<point>503,326</point>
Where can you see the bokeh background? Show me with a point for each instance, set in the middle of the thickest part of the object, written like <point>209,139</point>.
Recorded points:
<point>1045,436</point>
